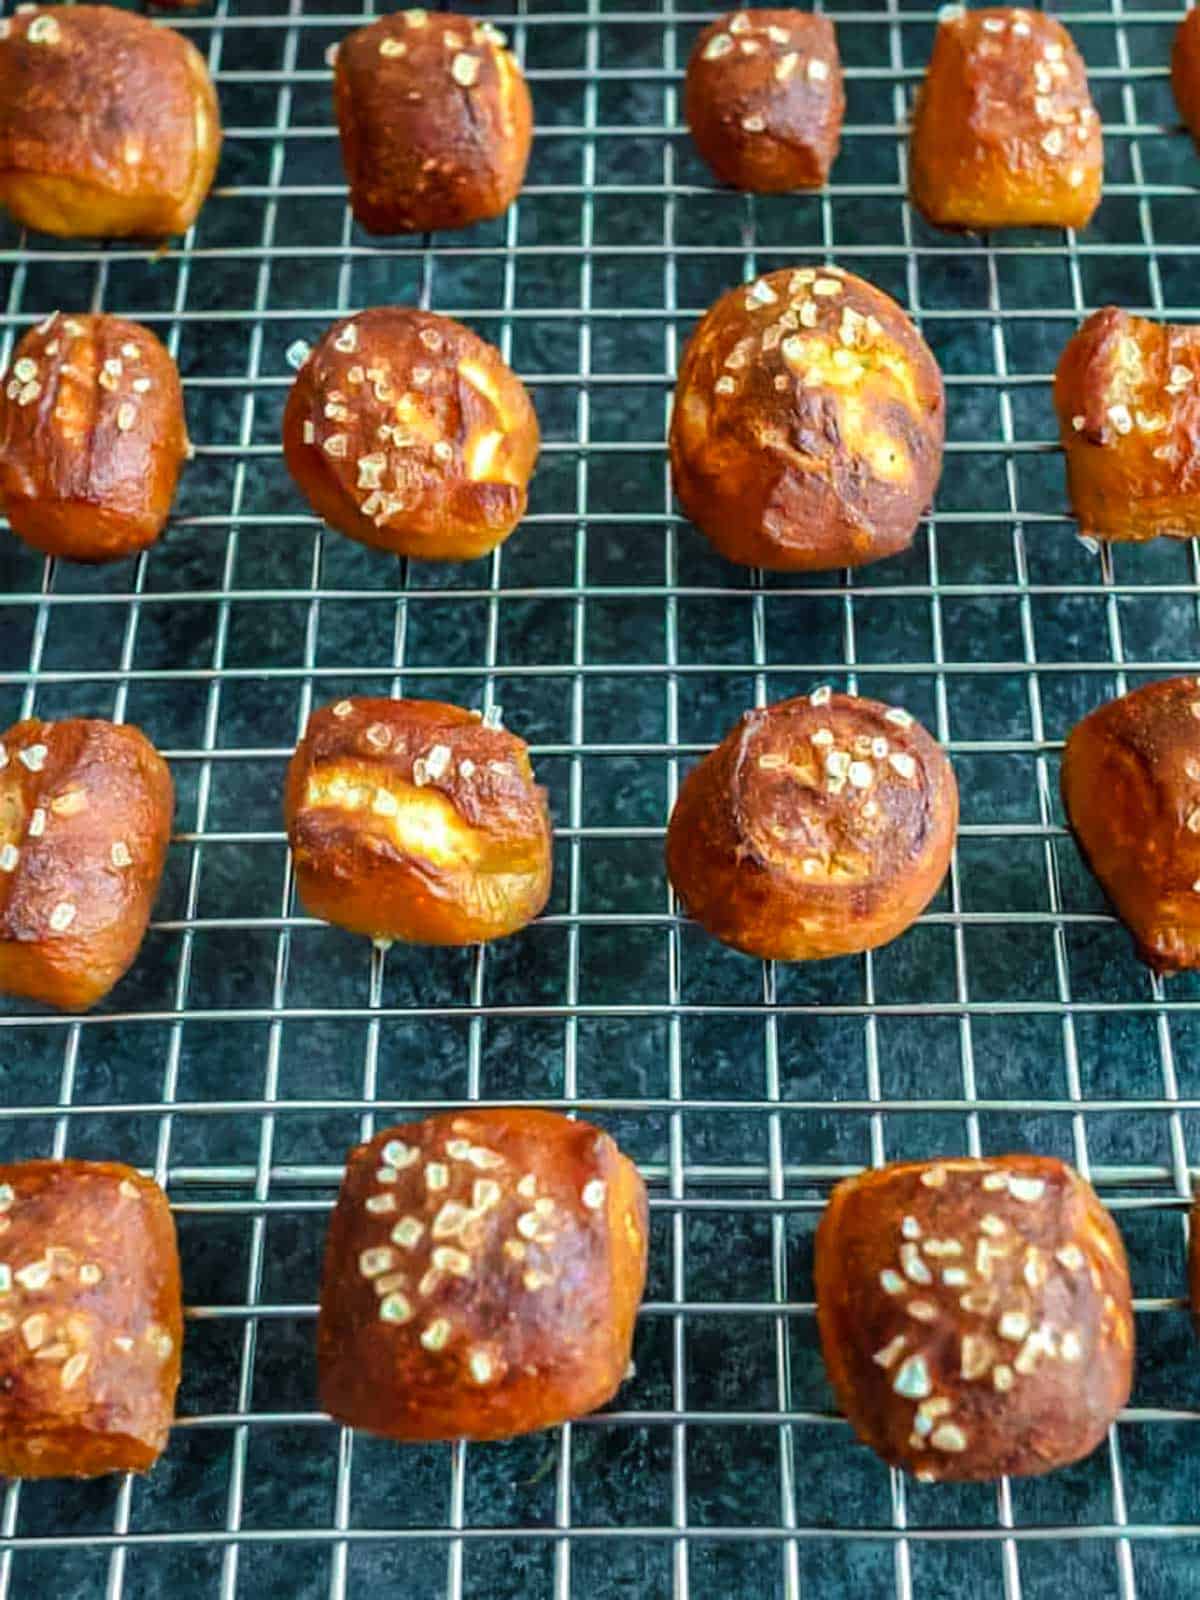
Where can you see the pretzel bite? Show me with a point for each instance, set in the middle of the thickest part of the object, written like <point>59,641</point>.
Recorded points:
<point>1004,131</point>
<point>975,1316</point>
<point>808,423</point>
<point>408,433</point>
<point>482,1275</point>
<point>85,819</point>
<point>1131,792</point>
<point>820,826</point>
<point>91,1322</point>
<point>764,99</point>
<point>435,120</point>
<point>413,820</point>
<point>92,437</point>
<point>1129,416</point>
<point>1185,71</point>
<point>109,124</point>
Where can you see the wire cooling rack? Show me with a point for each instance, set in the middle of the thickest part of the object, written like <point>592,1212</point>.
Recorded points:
<point>250,1047</point>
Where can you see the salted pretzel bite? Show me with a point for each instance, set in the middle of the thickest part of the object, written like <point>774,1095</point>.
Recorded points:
<point>1185,71</point>
<point>85,820</point>
<point>435,120</point>
<point>1129,415</point>
<point>413,820</point>
<point>92,437</point>
<point>819,826</point>
<point>409,433</point>
<point>764,99</point>
<point>482,1275</point>
<point>1131,791</point>
<point>1004,131</point>
<point>91,1321</point>
<point>808,423</point>
<point>109,124</point>
<point>975,1316</point>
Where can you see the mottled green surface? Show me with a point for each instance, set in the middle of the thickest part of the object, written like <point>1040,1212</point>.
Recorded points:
<point>632,1474</point>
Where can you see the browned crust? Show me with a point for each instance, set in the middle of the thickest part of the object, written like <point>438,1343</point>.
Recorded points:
<point>538,1300</point>
<point>1129,415</point>
<point>820,826</point>
<point>1004,131</point>
<point>764,99</point>
<point>109,123</point>
<point>1185,71</point>
<point>77,798</point>
<point>449,472</point>
<point>434,830</point>
<point>91,1320</point>
<point>808,423</point>
<point>1131,791</point>
<point>1052,1315</point>
<point>92,437</point>
<point>436,122</point>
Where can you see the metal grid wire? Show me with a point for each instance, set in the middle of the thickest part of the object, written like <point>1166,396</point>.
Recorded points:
<point>250,1047</point>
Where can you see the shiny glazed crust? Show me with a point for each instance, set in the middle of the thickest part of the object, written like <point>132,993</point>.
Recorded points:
<point>436,122</point>
<point>412,820</point>
<point>820,826</point>
<point>109,124</point>
<point>85,820</point>
<point>1129,415</point>
<point>482,1275</point>
<point>92,437</point>
<point>1185,71</point>
<point>764,99</point>
<point>808,423</point>
<point>409,433</point>
<point>91,1321</point>
<point>1131,791</point>
<point>975,1316</point>
<point>1004,133</point>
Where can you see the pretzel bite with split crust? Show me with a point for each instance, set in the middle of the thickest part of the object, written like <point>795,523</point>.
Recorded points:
<point>820,826</point>
<point>764,99</point>
<point>92,437</point>
<point>85,820</point>
<point>91,1321</point>
<point>975,1316</point>
<point>435,120</point>
<point>409,433</point>
<point>109,124</point>
<point>808,423</point>
<point>1131,791</point>
<point>482,1276</point>
<point>1129,415</point>
<point>413,820</point>
<point>1004,131</point>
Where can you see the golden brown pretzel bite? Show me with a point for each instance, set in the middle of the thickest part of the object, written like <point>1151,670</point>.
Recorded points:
<point>808,423</point>
<point>91,1321</point>
<point>85,820</point>
<point>435,119</point>
<point>409,433</point>
<point>975,1316</point>
<point>1004,133</point>
<point>1129,415</point>
<point>109,124</point>
<point>1185,71</point>
<point>92,437</point>
<point>764,99</point>
<point>819,826</point>
<point>482,1274</point>
<point>1131,790</point>
<point>413,820</point>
